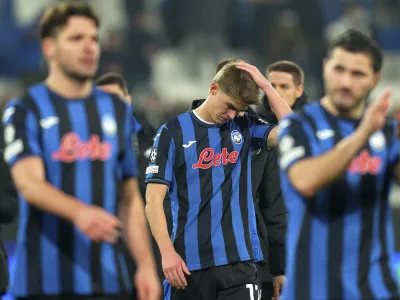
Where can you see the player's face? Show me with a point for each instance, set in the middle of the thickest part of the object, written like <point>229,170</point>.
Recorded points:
<point>75,50</point>
<point>284,84</point>
<point>349,78</point>
<point>223,108</point>
<point>114,88</point>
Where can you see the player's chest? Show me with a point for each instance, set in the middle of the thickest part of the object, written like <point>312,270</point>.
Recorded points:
<point>213,148</point>
<point>80,138</point>
<point>372,159</point>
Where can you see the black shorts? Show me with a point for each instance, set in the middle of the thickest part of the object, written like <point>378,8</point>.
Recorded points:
<point>231,282</point>
<point>80,297</point>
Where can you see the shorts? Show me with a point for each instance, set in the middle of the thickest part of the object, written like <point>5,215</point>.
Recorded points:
<point>230,282</point>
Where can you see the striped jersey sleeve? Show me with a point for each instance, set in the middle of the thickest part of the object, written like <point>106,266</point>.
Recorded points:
<point>295,141</point>
<point>21,133</point>
<point>259,130</point>
<point>162,157</point>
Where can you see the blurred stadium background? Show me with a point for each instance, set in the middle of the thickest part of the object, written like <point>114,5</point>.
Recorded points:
<point>168,49</point>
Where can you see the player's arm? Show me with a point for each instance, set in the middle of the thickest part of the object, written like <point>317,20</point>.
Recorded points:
<point>135,224</point>
<point>309,174</point>
<point>159,178</point>
<point>155,195</point>
<point>29,177</point>
<point>278,105</point>
<point>22,153</point>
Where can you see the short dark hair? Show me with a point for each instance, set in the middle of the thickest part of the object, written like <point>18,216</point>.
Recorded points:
<point>224,63</point>
<point>112,78</point>
<point>356,42</point>
<point>289,67</point>
<point>56,16</point>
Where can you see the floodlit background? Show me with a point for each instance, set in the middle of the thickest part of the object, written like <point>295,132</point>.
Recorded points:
<point>168,49</point>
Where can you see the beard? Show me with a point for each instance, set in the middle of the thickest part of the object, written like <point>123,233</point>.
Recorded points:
<point>344,108</point>
<point>76,75</point>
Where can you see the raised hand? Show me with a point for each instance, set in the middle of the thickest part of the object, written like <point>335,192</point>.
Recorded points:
<point>258,78</point>
<point>375,114</point>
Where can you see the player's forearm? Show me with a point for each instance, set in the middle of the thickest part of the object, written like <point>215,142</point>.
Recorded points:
<point>136,231</point>
<point>278,105</point>
<point>44,196</point>
<point>158,223</point>
<point>311,174</point>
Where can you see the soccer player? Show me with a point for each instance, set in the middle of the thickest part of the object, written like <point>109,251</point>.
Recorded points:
<point>287,78</point>
<point>338,158</point>
<point>203,159</point>
<point>69,148</point>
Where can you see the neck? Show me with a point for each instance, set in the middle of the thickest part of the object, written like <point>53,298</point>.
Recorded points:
<point>355,113</point>
<point>67,87</point>
<point>202,111</point>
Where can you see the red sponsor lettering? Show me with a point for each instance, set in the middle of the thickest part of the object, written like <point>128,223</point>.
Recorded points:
<point>73,149</point>
<point>365,163</point>
<point>208,158</point>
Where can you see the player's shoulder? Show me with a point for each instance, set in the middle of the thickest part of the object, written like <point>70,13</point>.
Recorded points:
<point>118,101</point>
<point>252,117</point>
<point>23,104</point>
<point>33,94</point>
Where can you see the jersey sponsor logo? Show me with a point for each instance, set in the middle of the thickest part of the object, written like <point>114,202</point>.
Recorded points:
<point>365,164</point>
<point>209,158</point>
<point>72,148</point>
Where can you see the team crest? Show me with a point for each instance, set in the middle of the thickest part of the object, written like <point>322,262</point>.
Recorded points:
<point>109,125</point>
<point>236,137</point>
<point>153,155</point>
<point>377,141</point>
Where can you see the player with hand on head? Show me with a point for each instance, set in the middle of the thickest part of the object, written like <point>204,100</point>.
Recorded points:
<point>202,158</point>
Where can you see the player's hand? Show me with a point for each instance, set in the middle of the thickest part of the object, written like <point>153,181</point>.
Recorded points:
<point>147,284</point>
<point>258,78</point>
<point>98,224</point>
<point>375,114</point>
<point>175,269</point>
<point>279,282</point>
